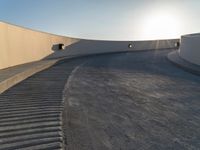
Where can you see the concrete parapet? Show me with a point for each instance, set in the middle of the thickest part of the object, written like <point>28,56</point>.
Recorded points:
<point>190,48</point>
<point>87,47</point>
<point>175,58</point>
<point>19,45</point>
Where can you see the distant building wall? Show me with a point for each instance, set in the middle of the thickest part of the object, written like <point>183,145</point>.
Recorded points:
<point>190,48</point>
<point>19,45</point>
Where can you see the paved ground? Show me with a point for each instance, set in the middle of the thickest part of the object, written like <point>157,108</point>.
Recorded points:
<point>135,101</point>
<point>132,101</point>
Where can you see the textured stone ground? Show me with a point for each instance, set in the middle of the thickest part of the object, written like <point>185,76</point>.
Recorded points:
<point>132,101</point>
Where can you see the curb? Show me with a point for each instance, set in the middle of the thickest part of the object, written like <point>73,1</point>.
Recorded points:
<point>180,62</point>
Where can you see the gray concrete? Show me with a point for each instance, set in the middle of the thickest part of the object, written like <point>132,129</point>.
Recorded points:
<point>30,112</point>
<point>175,58</point>
<point>132,101</point>
<point>13,75</point>
<point>121,101</point>
<point>89,47</point>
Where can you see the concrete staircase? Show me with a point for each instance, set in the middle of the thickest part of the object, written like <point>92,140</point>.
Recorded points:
<point>31,111</point>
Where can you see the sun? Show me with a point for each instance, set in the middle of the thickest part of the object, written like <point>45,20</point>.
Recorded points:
<point>161,25</point>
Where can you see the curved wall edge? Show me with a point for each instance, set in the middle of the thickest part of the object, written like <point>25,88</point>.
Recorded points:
<point>20,45</point>
<point>190,48</point>
<point>87,47</point>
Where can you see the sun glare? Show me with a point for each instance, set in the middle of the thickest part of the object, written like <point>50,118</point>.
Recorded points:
<point>161,26</point>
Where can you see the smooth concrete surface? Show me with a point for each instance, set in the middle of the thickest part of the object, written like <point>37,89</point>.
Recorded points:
<point>175,58</point>
<point>13,75</point>
<point>19,45</point>
<point>190,48</point>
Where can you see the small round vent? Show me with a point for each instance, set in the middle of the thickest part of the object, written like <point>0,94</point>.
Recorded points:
<point>130,45</point>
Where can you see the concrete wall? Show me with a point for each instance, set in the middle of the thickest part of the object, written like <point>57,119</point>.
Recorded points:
<point>84,47</point>
<point>190,48</point>
<point>19,45</point>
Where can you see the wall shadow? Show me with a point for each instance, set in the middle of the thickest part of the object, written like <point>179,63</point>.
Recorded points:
<point>89,47</point>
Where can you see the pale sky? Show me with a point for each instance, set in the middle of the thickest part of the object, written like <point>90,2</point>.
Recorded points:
<point>106,19</point>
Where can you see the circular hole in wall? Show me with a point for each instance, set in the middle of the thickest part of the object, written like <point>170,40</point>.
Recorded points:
<point>130,45</point>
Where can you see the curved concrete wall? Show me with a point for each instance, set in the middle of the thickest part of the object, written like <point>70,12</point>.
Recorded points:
<point>190,48</point>
<point>85,47</point>
<point>19,45</point>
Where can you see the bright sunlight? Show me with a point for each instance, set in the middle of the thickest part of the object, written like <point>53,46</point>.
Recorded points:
<point>161,25</point>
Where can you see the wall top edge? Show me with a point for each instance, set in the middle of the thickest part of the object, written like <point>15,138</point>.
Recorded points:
<point>76,38</point>
<point>191,35</point>
<point>26,28</point>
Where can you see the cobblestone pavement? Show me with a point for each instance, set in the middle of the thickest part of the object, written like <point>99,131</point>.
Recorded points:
<point>132,101</point>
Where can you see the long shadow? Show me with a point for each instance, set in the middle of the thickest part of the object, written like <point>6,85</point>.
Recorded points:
<point>88,47</point>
